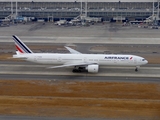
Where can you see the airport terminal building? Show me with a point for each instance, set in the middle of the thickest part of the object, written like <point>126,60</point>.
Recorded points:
<point>68,9</point>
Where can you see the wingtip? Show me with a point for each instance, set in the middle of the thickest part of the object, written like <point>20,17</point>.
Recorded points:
<point>65,46</point>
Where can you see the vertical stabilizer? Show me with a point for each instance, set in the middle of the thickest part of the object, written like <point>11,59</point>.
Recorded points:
<point>20,46</point>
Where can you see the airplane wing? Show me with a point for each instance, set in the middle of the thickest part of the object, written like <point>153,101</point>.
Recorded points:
<point>70,65</point>
<point>72,51</point>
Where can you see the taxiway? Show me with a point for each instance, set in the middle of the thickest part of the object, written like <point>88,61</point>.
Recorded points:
<point>30,71</point>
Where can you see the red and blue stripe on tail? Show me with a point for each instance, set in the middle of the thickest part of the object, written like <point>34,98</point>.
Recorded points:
<point>20,46</point>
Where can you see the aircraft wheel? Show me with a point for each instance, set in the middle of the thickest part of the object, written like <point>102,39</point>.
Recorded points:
<point>74,70</point>
<point>136,69</point>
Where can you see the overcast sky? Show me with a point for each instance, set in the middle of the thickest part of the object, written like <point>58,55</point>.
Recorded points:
<point>80,0</point>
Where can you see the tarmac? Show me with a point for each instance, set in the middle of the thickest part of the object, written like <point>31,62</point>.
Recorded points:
<point>105,71</point>
<point>95,40</point>
<point>109,33</point>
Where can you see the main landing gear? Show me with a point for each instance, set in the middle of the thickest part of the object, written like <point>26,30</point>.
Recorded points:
<point>78,69</point>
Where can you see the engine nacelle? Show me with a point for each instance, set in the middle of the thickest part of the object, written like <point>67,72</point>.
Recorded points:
<point>93,68</point>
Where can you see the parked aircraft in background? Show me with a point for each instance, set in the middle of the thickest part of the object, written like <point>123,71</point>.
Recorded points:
<point>61,22</point>
<point>77,60</point>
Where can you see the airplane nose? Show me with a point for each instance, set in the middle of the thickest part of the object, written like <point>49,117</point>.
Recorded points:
<point>146,61</point>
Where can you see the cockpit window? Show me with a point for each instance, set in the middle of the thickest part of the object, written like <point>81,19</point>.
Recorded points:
<point>143,59</point>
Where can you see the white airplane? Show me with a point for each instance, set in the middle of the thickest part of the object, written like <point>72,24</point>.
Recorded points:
<point>79,61</point>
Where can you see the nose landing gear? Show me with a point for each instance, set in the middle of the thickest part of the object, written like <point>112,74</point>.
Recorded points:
<point>137,67</point>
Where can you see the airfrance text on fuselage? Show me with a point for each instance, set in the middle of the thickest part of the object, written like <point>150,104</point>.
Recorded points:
<point>120,58</point>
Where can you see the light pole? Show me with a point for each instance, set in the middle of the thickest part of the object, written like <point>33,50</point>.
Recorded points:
<point>81,7</point>
<point>86,8</point>
<point>153,8</point>
<point>158,10</point>
<point>16,8</point>
<point>11,7</point>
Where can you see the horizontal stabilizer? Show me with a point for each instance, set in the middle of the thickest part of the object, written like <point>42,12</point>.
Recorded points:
<point>19,56</point>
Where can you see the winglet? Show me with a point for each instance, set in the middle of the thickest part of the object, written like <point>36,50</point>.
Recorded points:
<point>72,51</point>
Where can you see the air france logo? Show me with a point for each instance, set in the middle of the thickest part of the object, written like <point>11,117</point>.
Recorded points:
<point>118,58</point>
<point>131,58</point>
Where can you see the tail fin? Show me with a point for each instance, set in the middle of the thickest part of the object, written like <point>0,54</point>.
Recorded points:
<point>20,46</point>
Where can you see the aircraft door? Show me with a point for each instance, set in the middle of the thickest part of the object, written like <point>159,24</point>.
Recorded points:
<point>59,59</point>
<point>35,58</point>
<point>85,59</point>
<point>135,60</point>
<point>131,61</point>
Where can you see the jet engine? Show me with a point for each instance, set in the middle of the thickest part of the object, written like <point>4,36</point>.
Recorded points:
<point>92,68</point>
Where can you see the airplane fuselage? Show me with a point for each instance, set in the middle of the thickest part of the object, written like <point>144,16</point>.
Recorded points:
<point>100,59</point>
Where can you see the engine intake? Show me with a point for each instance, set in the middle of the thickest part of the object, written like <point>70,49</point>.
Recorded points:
<point>93,68</point>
